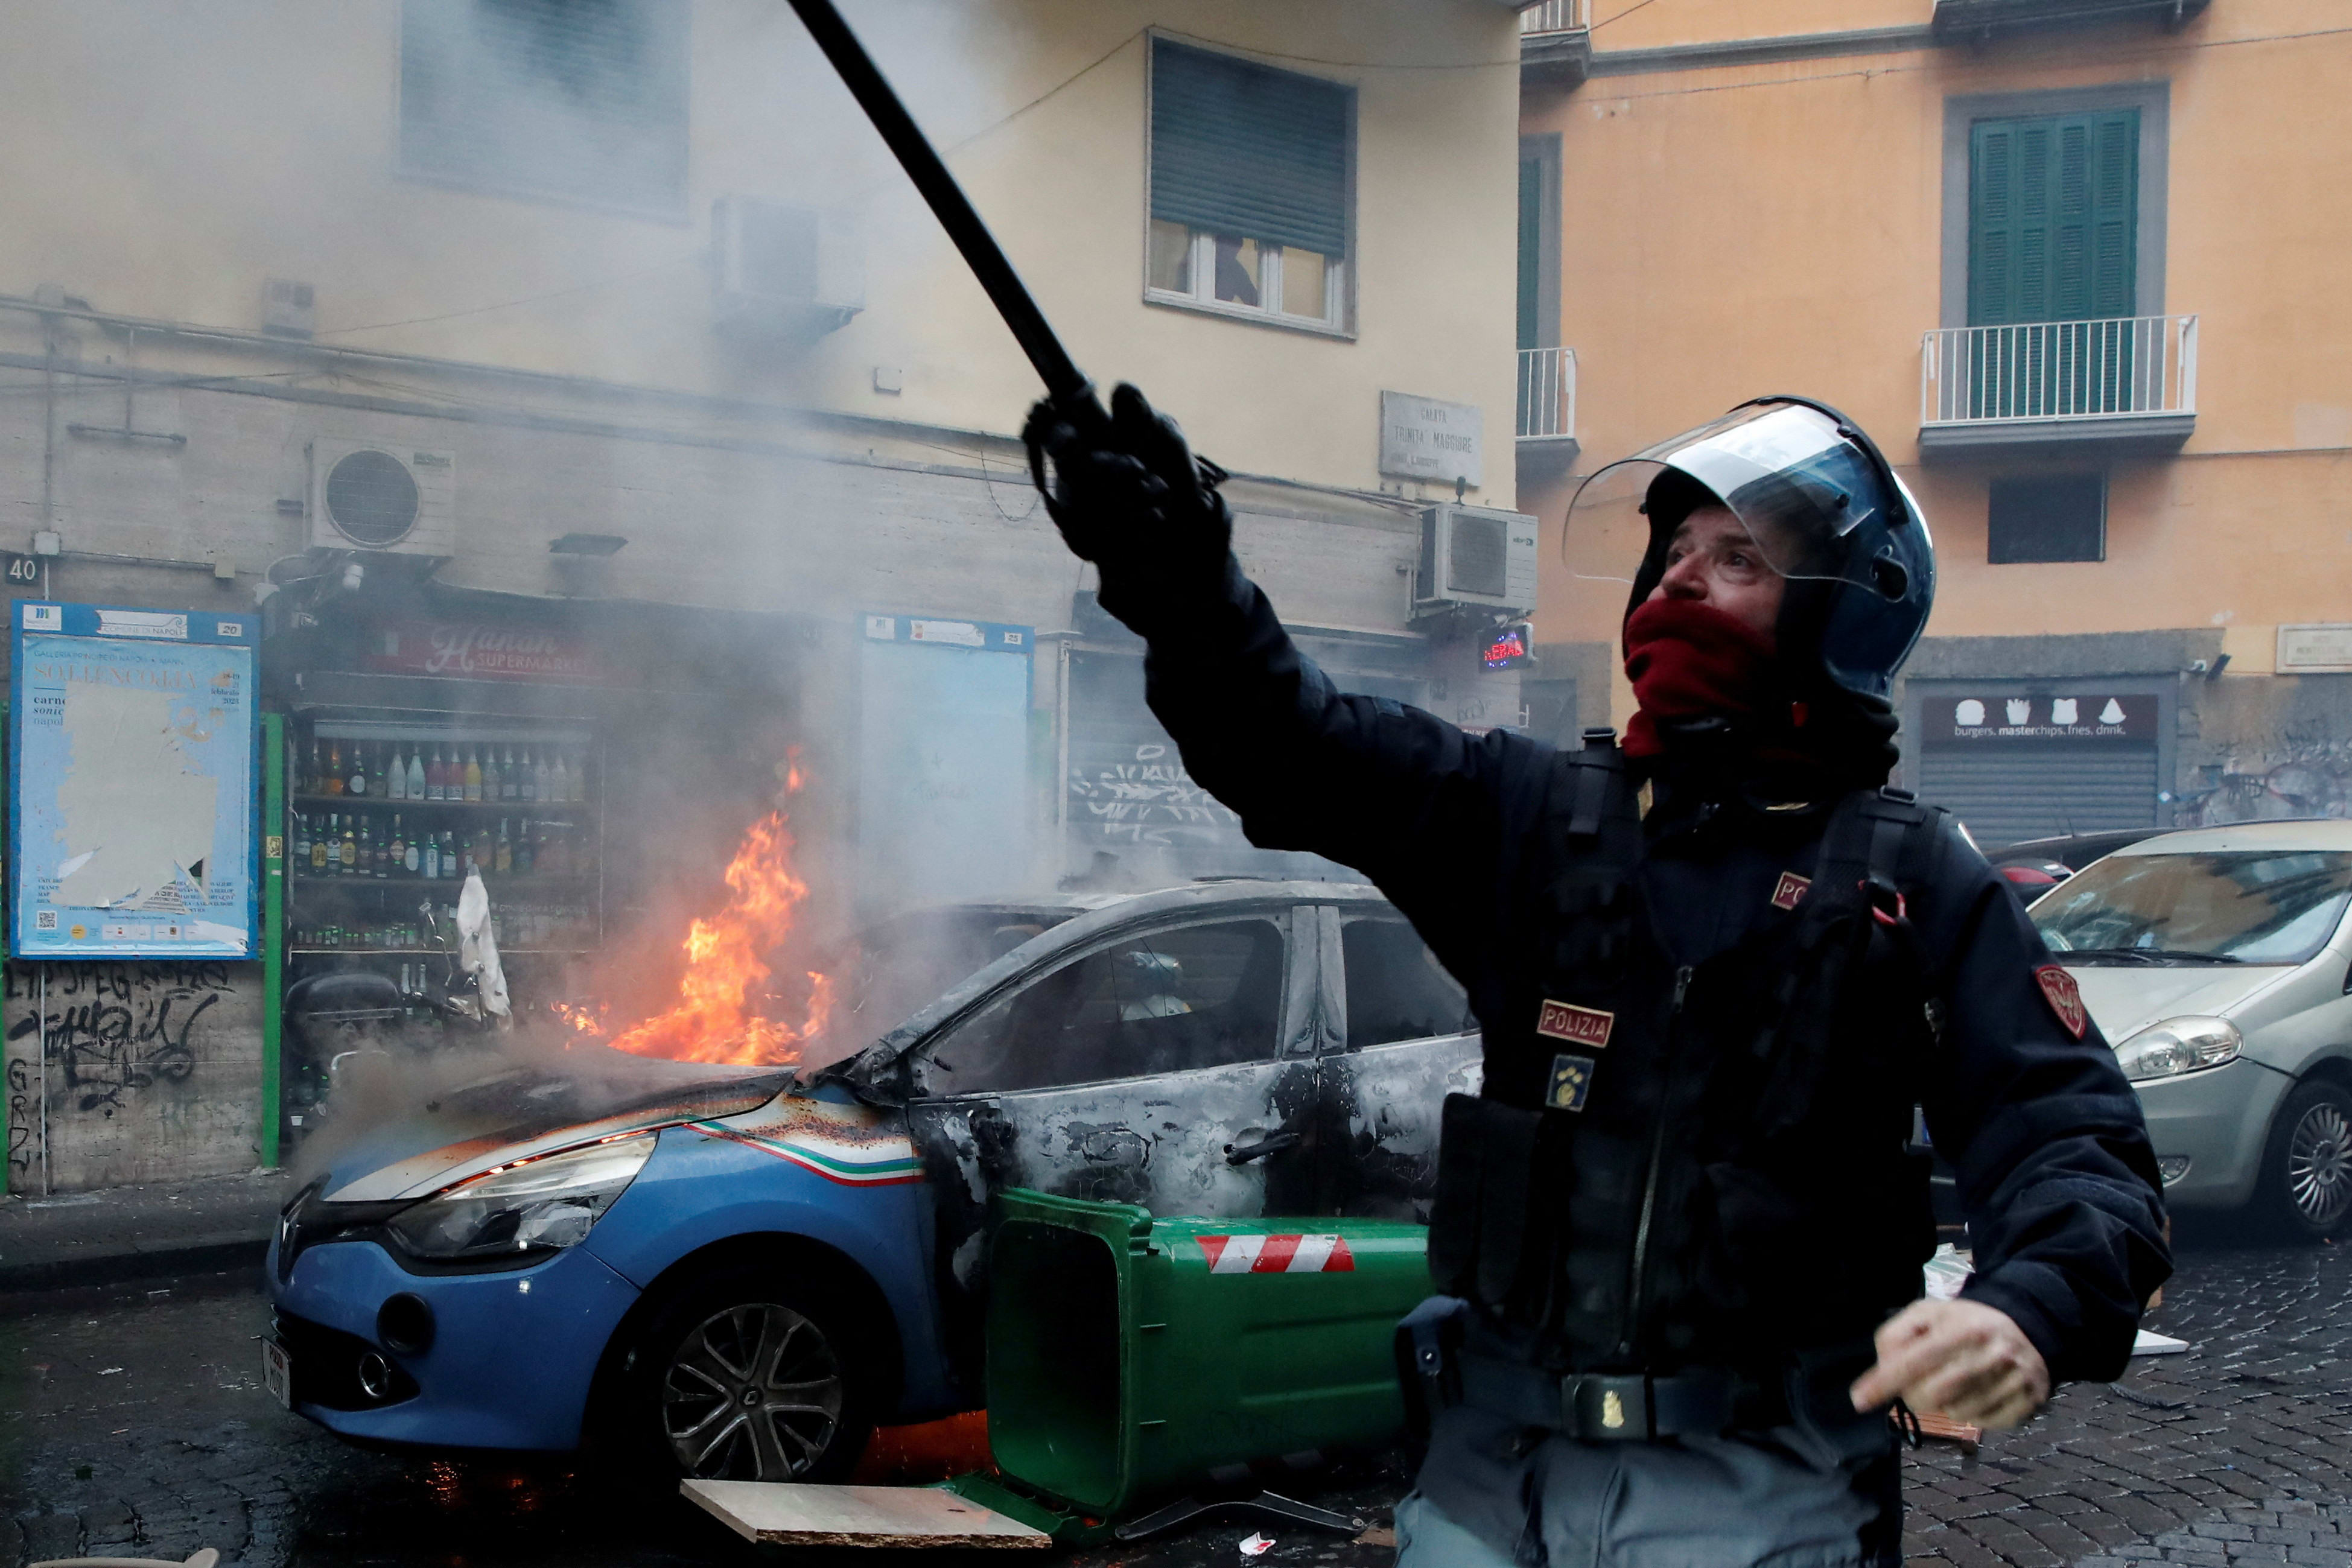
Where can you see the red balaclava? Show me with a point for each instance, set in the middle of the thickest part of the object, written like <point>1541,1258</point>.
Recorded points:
<point>1688,660</point>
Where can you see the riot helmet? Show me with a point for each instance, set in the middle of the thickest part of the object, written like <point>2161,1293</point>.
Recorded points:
<point>1822,505</point>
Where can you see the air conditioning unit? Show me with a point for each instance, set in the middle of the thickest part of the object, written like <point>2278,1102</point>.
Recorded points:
<point>289,309</point>
<point>371,496</point>
<point>780,266</point>
<point>1476,557</point>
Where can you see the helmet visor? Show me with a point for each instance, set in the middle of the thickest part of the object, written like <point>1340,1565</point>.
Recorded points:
<point>1794,481</point>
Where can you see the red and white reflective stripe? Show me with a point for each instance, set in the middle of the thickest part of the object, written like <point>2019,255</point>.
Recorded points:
<point>1278,1255</point>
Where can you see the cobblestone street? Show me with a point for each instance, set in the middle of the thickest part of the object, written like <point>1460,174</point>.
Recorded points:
<point>133,1422</point>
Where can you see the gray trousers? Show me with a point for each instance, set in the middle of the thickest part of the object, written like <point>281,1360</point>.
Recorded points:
<point>1492,1495</point>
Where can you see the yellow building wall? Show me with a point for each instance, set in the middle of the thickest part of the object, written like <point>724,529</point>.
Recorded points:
<point>1779,227</point>
<point>168,157</point>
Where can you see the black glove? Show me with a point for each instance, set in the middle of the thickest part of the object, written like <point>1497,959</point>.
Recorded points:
<point>1129,497</point>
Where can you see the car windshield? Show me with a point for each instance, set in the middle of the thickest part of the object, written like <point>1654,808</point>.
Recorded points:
<point>900,965</point>
<point>2241,906</point>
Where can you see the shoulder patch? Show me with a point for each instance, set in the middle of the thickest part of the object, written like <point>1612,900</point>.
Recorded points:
<point>2065,998</point>
<point>1790,891</point>
<point>1584,1026</point>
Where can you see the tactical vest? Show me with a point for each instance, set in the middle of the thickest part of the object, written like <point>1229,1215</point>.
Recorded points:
<point>1671,1165</point>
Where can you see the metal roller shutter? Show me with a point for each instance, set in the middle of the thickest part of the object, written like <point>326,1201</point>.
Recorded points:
<point>1240,149</point>
<point>2005,794</point>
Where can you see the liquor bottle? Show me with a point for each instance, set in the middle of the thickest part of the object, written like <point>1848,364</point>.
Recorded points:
<point>526,781</point>
<point>436,777</point>
<point>355,781</point>
<point>417,773</point>
<point>409,858</point>
<point>367,849</point>
<point>319,849</point>
<point>301,842</point>
<point>379,784</point>
<point>473,775</point>
<point>490,773</point>
<point>314,773</point>
<point>543,775</point>
<point>485,850</point>
<point>383,853</point>
<point>449,867</point>
<point>508,786</point>
<point>506,848</point>
<point>335,768</point>
<point>430,862</point>
<point>525,856</point>
<point>348,852</point>
<point>558,778</point>
<point>397,860</point>
<point>395,779</point>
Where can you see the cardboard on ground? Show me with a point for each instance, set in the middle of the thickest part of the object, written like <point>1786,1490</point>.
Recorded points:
<point>788,1513</point>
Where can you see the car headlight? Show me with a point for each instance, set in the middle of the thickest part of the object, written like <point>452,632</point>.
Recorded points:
<point>2179,1045</point>
<point>539,1207</point>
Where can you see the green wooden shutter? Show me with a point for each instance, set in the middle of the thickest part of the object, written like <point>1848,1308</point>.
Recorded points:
<point>1530,250</point>
<point>1241,148</point>
<point>2053,218</point>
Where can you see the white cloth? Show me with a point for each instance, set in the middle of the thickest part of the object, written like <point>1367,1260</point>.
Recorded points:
<point>477,946</point>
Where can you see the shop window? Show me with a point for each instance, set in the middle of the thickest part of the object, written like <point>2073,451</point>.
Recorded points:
<point>1249,187</point>
<point>1396,988</point>
<point>2046,518</point>
<point>580,100</point>
<point>1167,1001</point>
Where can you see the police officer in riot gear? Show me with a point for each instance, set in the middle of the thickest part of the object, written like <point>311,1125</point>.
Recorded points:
<point>1679,1230</point>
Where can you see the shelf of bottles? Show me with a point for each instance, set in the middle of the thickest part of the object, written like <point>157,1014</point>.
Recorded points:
<point>384,820</point>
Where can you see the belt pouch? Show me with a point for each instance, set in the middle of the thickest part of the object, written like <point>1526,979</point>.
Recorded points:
<point>1428,1351</point>
<point>1828,1430</point>
<point>1478,1222</point>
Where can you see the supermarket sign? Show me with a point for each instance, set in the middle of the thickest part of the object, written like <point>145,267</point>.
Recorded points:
<point>476,651</point>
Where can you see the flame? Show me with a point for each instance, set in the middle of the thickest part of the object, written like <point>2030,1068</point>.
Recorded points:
<point>714,1019</point>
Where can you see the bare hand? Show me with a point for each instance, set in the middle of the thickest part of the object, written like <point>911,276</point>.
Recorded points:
<point>1961,1359</point>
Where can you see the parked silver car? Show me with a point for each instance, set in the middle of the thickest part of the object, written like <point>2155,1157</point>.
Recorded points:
<point>2217,961</point>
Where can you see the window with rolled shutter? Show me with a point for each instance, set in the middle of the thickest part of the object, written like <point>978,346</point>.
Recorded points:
<point>582,99</point>
<point>2053,224</point>
<point>1249,183</point>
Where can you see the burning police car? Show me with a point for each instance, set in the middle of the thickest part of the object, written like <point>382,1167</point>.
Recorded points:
<point>738,1274</point>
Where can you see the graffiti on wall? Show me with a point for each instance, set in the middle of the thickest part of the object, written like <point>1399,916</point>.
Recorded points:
<point>2296,778</point>
<point>126,1047</point>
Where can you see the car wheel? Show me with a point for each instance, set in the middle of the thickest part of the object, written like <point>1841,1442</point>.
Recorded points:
<point>750,1375</point>
<point>2307,1165</point>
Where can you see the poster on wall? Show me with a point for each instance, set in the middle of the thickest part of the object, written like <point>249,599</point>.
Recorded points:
<point>131,781</point>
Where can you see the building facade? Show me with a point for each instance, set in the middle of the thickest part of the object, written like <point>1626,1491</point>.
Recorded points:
<point>580,387</point>
<point>2068,263</point>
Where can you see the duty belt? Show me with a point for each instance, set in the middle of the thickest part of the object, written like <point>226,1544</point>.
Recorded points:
<point>1629,1407</point>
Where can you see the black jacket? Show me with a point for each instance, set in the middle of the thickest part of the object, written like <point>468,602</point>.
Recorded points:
<point>2055,1172</point>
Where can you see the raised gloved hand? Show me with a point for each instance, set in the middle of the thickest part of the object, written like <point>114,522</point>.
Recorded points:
<point>1128,495</point>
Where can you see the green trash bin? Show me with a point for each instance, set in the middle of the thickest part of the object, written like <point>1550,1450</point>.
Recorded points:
<point>1130,1357</point>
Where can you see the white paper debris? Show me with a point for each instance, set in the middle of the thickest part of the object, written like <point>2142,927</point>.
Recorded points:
<point>1947,1271</point>
<point>2158,1344</point>
<point>1254,1545</point>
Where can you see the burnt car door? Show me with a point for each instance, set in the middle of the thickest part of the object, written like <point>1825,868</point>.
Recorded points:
<point>1168,1064</point>
<point>1402,1039</point>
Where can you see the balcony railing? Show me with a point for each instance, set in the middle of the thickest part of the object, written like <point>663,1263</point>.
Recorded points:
<point>2052,371</point>
<point>1547,392</point>
<point>1556,16</point>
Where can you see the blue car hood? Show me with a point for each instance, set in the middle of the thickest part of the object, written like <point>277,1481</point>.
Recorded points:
<point>389,1145</point>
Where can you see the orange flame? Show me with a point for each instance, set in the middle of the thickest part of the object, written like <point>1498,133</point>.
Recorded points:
<point>714,1019</point>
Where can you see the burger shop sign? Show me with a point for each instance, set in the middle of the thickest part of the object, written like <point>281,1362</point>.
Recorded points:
<point>472,651</point>
<point>1973,720</point>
